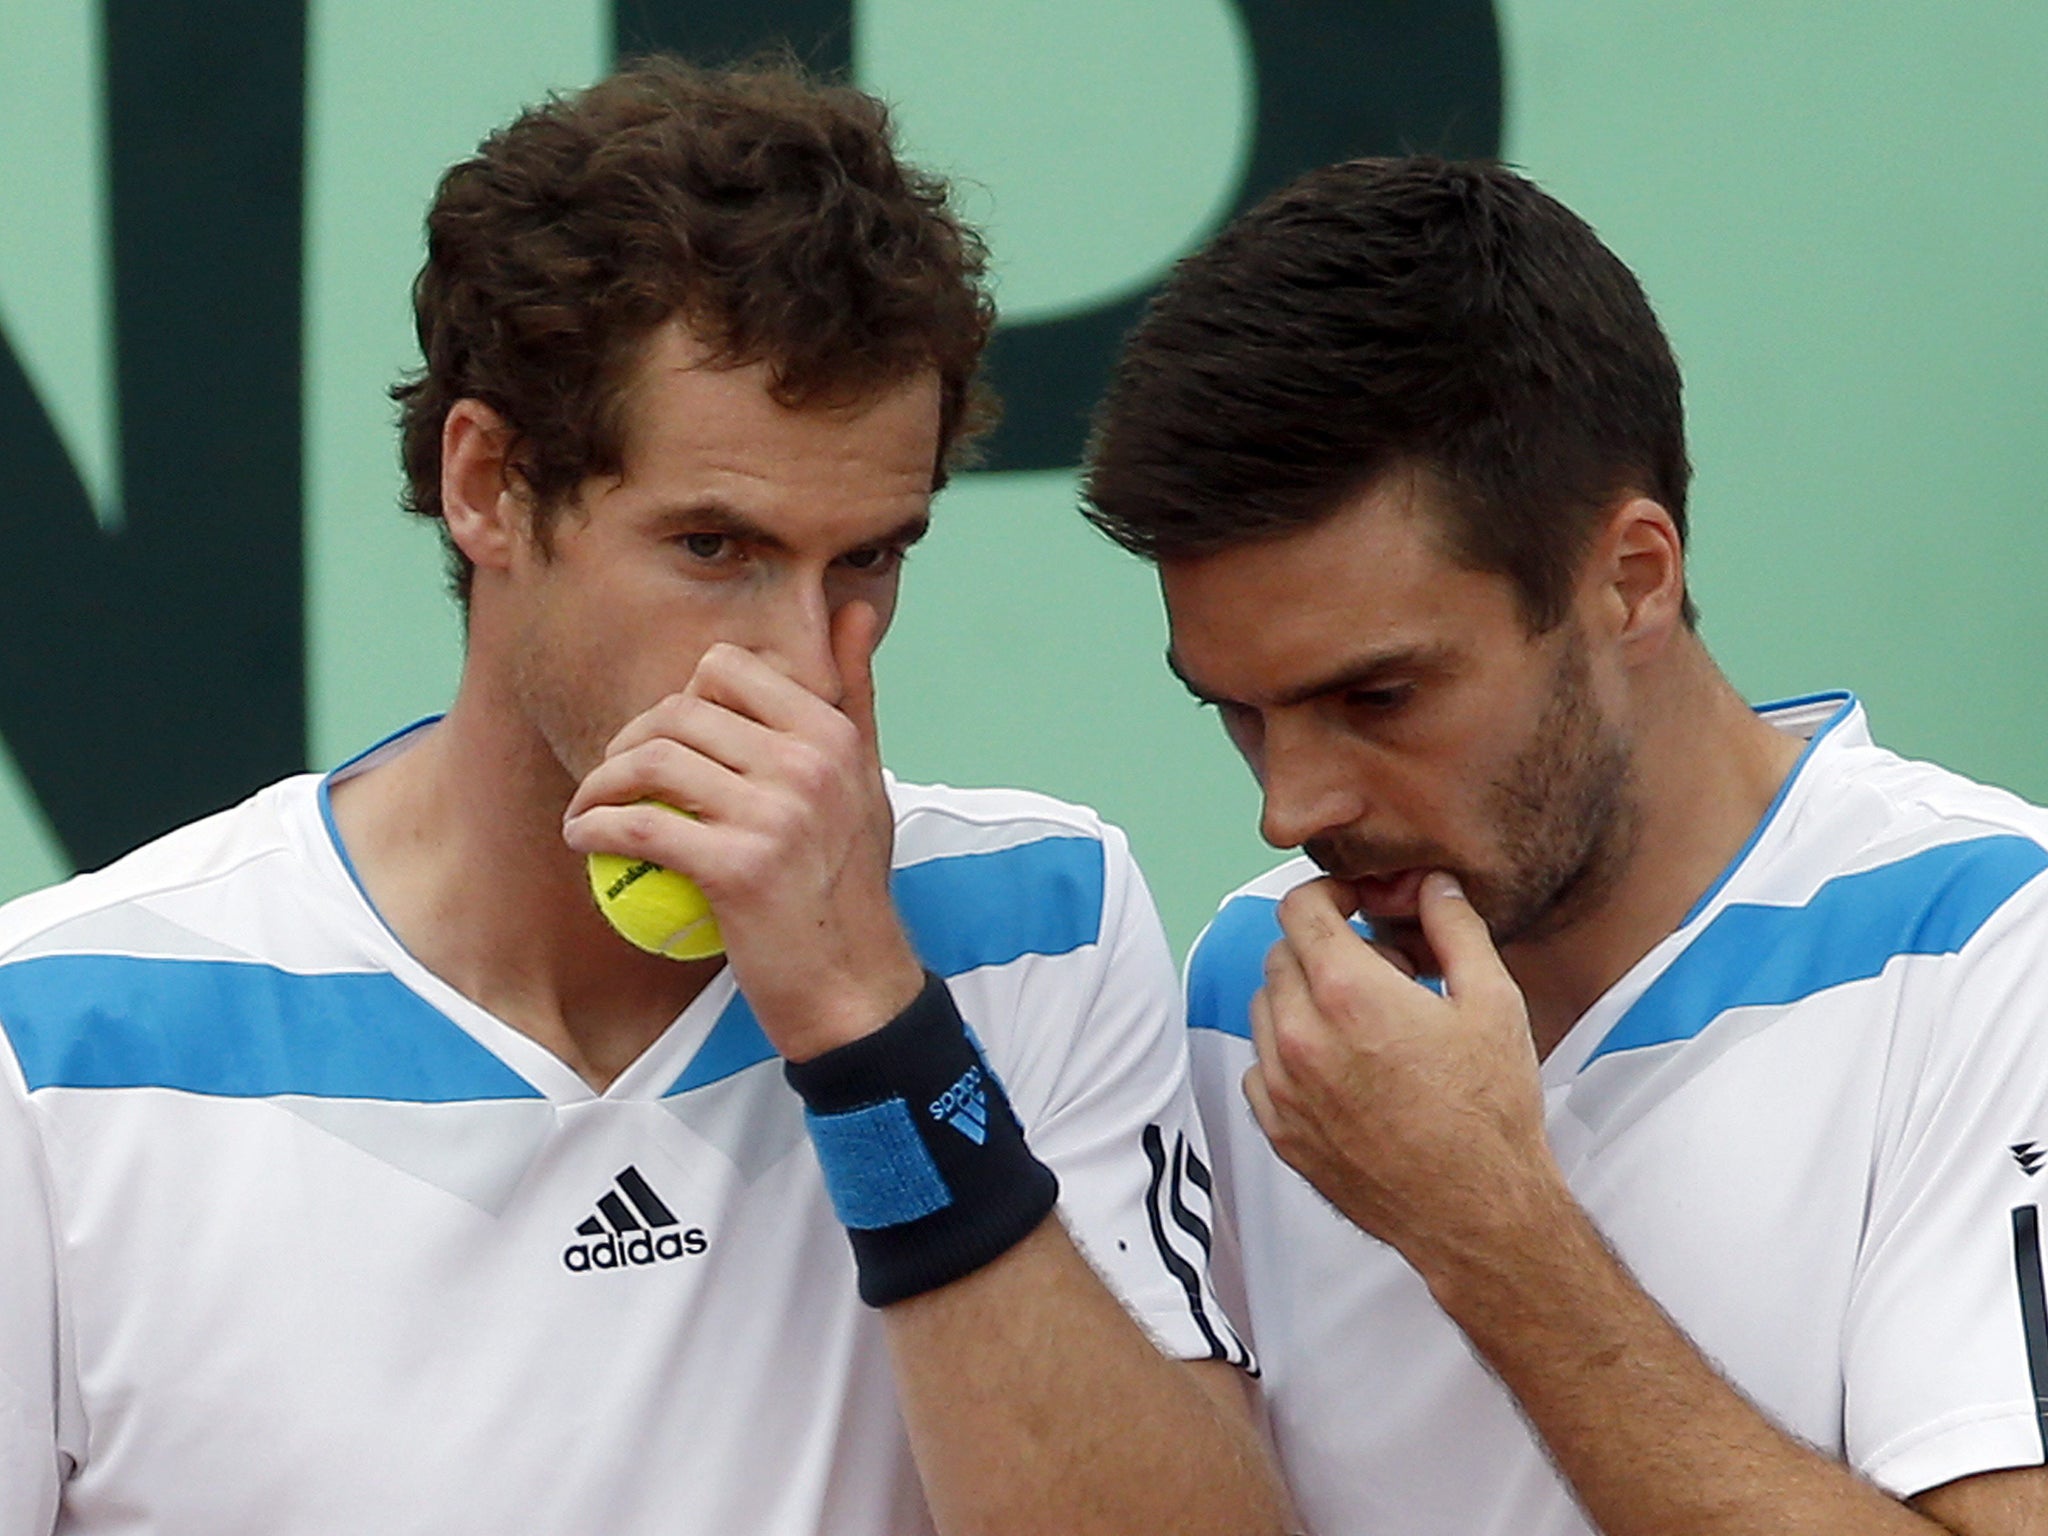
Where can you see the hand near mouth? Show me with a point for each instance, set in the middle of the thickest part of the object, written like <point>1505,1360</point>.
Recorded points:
<point>1418,1115</point>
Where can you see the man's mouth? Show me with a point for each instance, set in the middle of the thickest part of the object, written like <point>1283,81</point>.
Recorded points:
<point>1392,896</point>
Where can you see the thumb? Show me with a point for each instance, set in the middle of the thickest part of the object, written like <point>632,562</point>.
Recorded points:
<point>1459,938</point>
<point>856,631</point>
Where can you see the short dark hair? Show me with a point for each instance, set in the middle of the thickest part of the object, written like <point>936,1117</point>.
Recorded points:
<point>767,210</point>
<point>1386,314</point>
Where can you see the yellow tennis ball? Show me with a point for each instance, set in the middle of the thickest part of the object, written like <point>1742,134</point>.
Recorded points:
<point>652,906</point>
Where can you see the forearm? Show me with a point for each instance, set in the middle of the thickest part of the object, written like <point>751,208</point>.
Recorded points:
<point>1035,1404</point>
<point>1651,1437</point>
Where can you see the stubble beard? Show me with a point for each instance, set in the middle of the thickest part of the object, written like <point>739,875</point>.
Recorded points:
<point>1563,820</point>
<point>559,708</point>
<point>1564,813</point>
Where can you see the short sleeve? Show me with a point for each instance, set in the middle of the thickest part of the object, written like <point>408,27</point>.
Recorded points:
<point>1945,1345</point>
<point>1225,967</point>
<point>1113,1115</point>
<point>30,1469</point>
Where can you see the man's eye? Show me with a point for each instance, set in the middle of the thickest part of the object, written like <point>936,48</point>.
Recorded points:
<point>1378,701</point>
<point>707,546</point>
<point>873,558</point>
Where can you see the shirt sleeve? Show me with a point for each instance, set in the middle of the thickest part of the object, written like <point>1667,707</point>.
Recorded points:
<point>30,1467</point>
<point>1226,965</point>
<point>1111,1111</point>
<point>1945,1346</point>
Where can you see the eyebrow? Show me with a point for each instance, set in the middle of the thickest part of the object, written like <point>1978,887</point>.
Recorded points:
<point>714,516</point>
<point>1358,673</point>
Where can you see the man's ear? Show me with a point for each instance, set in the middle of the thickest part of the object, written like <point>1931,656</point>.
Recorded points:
<point>1636,572</point>
<point>483,500</point>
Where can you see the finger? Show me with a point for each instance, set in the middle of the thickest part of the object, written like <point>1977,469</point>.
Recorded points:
<point>648,830</point>
<point>748,685</point>
<point>856,631</point>
<point>1286,983</point>
<point>702,725</point>
<point>1318,913</point>
<point>664,771</point>
<point>1458,935</point>
<point>1260,1011</point>
<point>1315,925</point>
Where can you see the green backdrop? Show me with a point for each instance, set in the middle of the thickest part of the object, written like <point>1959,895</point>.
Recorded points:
<point>1840,211</point>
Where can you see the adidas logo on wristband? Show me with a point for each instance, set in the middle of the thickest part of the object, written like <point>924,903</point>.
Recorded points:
<point>964,1106</point>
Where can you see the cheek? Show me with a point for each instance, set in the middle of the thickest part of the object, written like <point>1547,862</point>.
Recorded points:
<point>610,658</point>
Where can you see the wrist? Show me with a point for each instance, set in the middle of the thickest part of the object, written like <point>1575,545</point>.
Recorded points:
<point>1529,1249</point>
<point>1475,1218</point>
<point>827,1015</point>
<point>923,1158</point>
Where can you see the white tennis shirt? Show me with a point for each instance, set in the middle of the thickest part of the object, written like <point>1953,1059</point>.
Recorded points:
<point>295,1239</point>
<point>1813,1122</point>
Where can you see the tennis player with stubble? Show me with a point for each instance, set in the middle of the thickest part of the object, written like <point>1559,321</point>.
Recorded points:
<point>356,1177</point>
<point>1697,1196</point>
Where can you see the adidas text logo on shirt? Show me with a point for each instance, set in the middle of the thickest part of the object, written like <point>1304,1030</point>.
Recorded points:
<point>632,1227</point>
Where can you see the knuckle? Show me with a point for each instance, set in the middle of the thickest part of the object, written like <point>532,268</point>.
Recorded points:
<point>748,864</point>
<point>782,821</point>
<point>1294,1051</point>
<point>841,734</point>
<point>717,666</point>
<point>1332,982</point>
<point>1258,1096</point>
<point>806,767</point>
<point>681,710</point>
<point>637,836</point>
<point>661,756</point>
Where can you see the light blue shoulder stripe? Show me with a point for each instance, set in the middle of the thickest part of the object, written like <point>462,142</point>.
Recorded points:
<point>963,912</point>
<point>238,1029</point>
<point>1751,955</point>
<point>1845,706</point>
<point>1229,964</point>
<point>975,909</point>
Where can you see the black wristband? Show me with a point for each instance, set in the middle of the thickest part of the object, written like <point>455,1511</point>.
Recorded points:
<point>924,1160</point>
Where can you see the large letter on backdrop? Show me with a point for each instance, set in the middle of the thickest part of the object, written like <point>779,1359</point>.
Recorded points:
<point>154,670</point>
<point>1335,78</point>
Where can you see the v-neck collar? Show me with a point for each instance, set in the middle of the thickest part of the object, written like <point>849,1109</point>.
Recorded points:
<point>650,1074</point>
<point>1820,717</point>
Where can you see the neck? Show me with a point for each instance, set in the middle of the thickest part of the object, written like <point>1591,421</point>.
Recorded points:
<point>458,842</point>
<point>1705,769</point>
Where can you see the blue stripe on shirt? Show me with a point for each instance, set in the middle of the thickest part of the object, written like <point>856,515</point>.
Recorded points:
<point>239,1029</point>
<point>963,912</point>
<point>244,1029</point>
<point>1229,964</point>
<point>1750,955</point>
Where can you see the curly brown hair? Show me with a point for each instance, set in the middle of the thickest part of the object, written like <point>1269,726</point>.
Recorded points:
<point>767,209</point>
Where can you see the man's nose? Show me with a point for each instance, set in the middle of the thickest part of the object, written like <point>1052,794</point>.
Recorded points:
<point>1311,786</point>
<point>796,639</point>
